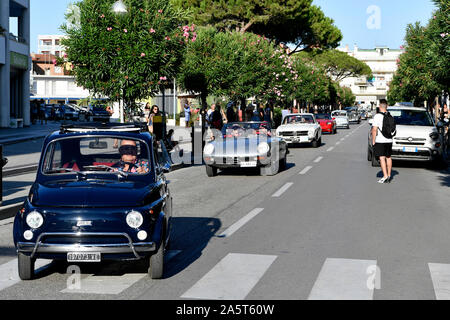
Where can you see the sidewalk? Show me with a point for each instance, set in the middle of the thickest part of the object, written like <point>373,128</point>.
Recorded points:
<point>20,172</point>
<point>36,131</point>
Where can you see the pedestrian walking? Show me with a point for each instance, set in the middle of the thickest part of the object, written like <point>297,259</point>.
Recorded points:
<point>231,114</point>
<point>155,123</point>
<point>187,114</point>
<point>268,115</point>
<point>383,131</point>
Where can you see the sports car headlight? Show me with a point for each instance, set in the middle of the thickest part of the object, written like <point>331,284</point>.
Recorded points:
<point>209,149</point>
<point>35,220</point>
<point>263,148</point>
<point>135,219</point>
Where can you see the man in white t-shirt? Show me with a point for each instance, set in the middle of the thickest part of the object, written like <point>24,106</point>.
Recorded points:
<point>382,146</point>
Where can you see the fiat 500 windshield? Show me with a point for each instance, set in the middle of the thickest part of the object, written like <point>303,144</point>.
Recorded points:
<point>93,155</point>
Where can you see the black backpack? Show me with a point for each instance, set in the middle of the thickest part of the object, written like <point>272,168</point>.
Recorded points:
<point>389,127</point>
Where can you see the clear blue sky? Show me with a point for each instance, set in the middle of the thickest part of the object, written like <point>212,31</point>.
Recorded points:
<point>349,15</point>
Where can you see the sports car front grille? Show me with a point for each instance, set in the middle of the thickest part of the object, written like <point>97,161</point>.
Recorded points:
<point>294,133</point>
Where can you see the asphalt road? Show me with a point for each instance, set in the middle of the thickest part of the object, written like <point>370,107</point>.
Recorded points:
<point>322,229</point>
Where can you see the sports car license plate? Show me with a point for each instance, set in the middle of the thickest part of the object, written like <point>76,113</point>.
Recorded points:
<point>409,149</point>
<point>304,139</point>
<point>251,164</point>
<point>84,257</point>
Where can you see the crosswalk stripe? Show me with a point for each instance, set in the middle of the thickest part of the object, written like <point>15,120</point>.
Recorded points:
<point>112,285</point>
<point>9,273</point>
<point>232,278</point>
<point>330,149</point>
<point>235,227</point>
<point>345,279</point>
<point>440,275</point>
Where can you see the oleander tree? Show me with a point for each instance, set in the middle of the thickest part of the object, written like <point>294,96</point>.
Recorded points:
<point>129,56</point>
<point>423,68</point>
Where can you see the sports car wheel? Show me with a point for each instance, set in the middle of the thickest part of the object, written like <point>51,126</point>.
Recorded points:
<point>211,171</point>
<point>272,169</point>
<point>317,143</point>
<point>26,266</point>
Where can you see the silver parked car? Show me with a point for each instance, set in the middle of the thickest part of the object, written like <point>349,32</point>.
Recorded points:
<point>341,118</point>
<point>417,138</point>
<point>246,145</point>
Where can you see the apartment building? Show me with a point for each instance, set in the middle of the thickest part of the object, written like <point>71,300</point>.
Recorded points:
<point>383,62</point>
<point>14,63</point>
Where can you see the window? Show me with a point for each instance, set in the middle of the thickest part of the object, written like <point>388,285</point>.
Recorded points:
<point>362,89</point>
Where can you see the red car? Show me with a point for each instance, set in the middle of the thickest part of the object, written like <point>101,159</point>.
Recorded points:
<point>327,123</point>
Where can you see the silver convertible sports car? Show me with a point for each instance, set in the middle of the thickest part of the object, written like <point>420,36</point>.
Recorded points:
<point>246,145</point>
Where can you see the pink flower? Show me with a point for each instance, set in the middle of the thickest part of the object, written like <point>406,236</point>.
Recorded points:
<point>109,28</point>
<point>193,27</point>
<point>102,16</point>
<point>125,30</point>
<point>152,30</point>
<point>142,54</point>
<point>160,11</point>
<point>163,78</point>
<point>167,38</point>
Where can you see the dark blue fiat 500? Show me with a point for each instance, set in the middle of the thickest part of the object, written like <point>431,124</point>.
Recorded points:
<point>100,194</point>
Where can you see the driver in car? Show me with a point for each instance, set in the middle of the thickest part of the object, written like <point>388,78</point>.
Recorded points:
<point>128,159</point>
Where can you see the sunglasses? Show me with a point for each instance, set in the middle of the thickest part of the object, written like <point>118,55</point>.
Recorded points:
<point>128,150</point>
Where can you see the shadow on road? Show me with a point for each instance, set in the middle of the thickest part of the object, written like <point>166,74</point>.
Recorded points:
<point>7,252</point>
<point>190,236</point>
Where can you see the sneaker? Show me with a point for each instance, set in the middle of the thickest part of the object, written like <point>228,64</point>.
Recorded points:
<point>384,180</point>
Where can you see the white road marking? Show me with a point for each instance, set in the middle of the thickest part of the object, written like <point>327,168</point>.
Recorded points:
<point>232,278</point>
<point>282,190</point>
<point>440,275</point>
<point>342,139</point>
<point>235,227</point>
<point>106,284</point>
<point>338,143</point>
<point>304,171</point>
<point>112,285</point>
<point>343,279</point>
<point>318,160</point>
<point>330,149</point>
<point>9,273</point>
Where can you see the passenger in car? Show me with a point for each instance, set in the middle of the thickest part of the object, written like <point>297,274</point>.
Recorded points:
<point>128,161</point>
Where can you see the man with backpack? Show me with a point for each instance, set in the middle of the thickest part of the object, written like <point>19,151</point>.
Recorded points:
<point>383,132</point>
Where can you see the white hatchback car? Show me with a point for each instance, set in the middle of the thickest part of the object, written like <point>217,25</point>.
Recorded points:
<point>417,136</point>
<point>341,118</point>
<point>301,128</point>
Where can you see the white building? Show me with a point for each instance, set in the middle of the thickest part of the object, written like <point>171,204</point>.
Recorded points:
<point>51,44</point>
<point>383,62</point>
<point>14,63</point>
<point>49,82</point>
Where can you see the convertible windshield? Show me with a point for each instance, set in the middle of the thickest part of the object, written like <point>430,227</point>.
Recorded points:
<point>323,116</point>
<point>307,119</point>
<point>339,114</point>
<point>100,154</point>
<point>412,118</point>
<point>245,129</point>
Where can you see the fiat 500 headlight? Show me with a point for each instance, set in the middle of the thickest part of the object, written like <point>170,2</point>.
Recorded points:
<point>209,149</point>
<point>135,219</point>
<point>35,220</point>
<point>263,148</point>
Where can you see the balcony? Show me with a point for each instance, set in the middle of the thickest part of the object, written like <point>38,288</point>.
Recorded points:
<point>361,81</point>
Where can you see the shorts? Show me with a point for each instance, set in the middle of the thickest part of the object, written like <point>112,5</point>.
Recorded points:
<point>382,150</point>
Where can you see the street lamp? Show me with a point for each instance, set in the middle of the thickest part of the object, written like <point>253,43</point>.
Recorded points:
<point>119,8</point>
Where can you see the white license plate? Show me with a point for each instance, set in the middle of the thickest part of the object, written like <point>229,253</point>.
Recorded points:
<point>304,139</point>
<point>84,257</point>
<point>409,149</point>
<point>251,164</point>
